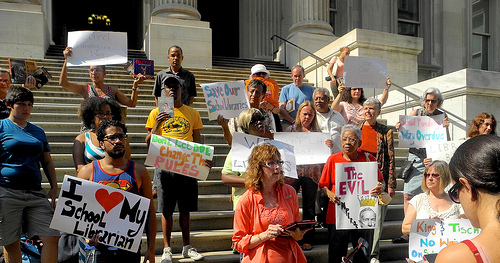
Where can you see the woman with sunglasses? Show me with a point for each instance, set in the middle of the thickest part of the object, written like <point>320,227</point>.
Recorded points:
<point>431,100</point>
<point>434,202</point>
<point>308,175</point>
<point>255,93</point>
<point>475,171</point>
<point>266,207</point>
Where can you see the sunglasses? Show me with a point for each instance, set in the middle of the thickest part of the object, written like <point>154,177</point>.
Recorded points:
<point>433,175</point>
<point>431,101</point>
<point>256,120</point>
<point>453,192</point>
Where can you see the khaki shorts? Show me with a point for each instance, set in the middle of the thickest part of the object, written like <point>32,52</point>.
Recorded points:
<point>29,206</point>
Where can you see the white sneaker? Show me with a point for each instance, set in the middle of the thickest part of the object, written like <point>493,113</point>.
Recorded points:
<point>166,257</point>
<point>190,252</point>
<point>374,260</point>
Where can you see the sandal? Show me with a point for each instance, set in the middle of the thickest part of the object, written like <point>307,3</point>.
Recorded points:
<point>306,246</point>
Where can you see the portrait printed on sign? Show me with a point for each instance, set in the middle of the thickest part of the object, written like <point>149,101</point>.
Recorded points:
<point>353,182</point>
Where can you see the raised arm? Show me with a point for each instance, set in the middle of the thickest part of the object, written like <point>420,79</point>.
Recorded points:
<point>336,102</point>
<point>132,101</point>
<point>77,88</point>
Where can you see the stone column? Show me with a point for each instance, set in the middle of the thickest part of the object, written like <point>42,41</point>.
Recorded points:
<point>311,16</point>
<point>179,9</point>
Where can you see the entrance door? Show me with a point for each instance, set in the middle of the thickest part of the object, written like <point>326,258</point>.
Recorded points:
<point>98,15</point>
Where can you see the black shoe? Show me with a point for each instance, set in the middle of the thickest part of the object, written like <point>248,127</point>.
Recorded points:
<point>401,239</point>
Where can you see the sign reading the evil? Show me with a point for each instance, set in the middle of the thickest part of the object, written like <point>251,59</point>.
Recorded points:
<point>225,98</point>
<point>92,48</point>
<point>179,156</point>
<point>418,131</point>
<point>429,236</point>
<point>353,182</point>
<point>86,209</point>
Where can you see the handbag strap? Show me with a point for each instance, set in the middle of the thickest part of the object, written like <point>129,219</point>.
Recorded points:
<point>474,250</point>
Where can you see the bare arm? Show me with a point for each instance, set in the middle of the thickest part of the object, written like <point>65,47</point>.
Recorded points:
<point>329,70</point>
<point>225,129</point>
<point>385,93</point>
<point>411,214</point>
<point>50,172</point>
<point>233,180</point>
<point>132,101</point>
<point>78,151</point>
<point>77,88</point>
<point>336,102</point>
<point>284,113</point>
<point>146,190</point>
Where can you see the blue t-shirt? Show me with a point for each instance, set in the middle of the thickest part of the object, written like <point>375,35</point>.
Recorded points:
<point>20,152</point>
<point>299,95</point>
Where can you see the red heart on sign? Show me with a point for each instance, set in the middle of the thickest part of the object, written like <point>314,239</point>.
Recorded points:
<point>107,200</point>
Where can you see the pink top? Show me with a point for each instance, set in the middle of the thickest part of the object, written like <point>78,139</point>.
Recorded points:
<point>352,114</point>
<point>340,67</point>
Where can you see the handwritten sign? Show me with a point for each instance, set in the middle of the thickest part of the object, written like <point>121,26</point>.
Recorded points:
<point>179,156</point>
<point>86,209</point>
<point>242,148</point>
<point>92,48</point>
<point>418,131</point>
<point>353,182</point>
<point>442,151</point>
<point>364,72</point>
<point>309,147</point>
<point>225,98</point>
<point>429,236</point>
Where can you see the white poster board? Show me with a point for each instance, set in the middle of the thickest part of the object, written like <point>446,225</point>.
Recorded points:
<point>309,147</point>
<point>353,182</point>
<point>93,48</point>
<point>225,98</point>
<point>443,150</point>
<point>429,236</point>
<point>179,156</point>
<point>418,131</point>
<point>242,147</point>
<point>86,208</point>
<point>364,72</point>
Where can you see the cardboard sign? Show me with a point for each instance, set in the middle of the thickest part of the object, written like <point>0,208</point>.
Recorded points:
<point>353,182</point>
<point>309,147</point>
<point>179,156</point>
<point>443,150</point>
<point>93,48</point>
<point>242,147</point>
<point>419,131</point>
<point>86,208</point>
<point>364,72</point>
<point>429,236</point>
<point>225,98</point>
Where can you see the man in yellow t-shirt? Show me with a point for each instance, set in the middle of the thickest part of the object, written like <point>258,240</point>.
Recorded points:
<point>173,188</point>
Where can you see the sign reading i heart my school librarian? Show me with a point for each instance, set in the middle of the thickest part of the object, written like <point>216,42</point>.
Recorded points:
<point>179,156</point>
<point>85,208</point>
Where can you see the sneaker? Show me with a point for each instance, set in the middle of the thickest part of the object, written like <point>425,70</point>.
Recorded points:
<point>374,260</point>
<point>190,252</point>
<point>166,257</point>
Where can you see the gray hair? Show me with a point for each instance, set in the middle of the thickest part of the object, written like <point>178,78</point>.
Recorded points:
<point>353,128</point>
<point>373,101</point>
<point>299,66</point>
<point>324,90</point>
<point>436,93</point>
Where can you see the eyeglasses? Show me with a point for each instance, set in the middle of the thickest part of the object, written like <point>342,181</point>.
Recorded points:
<point>273,164</point>
<point>433,175</point>
<point>103,115</point>
<point>453,192</point>
<point>114,138</point>
<point>324,98</point>
<point>431,101</point>
<point>254,121</point>
<point>96,70</point>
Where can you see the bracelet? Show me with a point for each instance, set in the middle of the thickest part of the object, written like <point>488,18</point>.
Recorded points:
<point>134,88</point>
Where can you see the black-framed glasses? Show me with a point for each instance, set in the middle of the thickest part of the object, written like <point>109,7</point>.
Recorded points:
<point>453,192</point>
<point>254,121</point>
<point>433,175</point>
<point>103,114</point>
<point>114,138</point>
<point>273,164</point>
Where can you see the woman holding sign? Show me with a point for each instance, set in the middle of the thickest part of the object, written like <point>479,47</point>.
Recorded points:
<point>475,170</point>
<point>265,209</point>
<point>434,202</point>
<point>339,239</point>
<point>431,100</point>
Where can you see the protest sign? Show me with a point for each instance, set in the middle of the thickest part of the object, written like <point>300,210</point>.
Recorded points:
<point>353,182</point>
<point>179,156</point>
<point>242,147</point>
<point>442,151</point>
<point>309,147</point>
<point>418,131</point>
<point>92,48</point>
<point>364,72</point>
<point>85,208</point>
<point>225,98</point>
<point>429,236</point>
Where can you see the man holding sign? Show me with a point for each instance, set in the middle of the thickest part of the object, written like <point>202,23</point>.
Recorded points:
<point>116,171</point>
<point>172,187</point>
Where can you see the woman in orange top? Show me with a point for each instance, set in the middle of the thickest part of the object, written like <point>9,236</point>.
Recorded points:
<point>264,209</point>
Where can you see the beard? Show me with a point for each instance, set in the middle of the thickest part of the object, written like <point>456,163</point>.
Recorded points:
<point>116,154</point>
